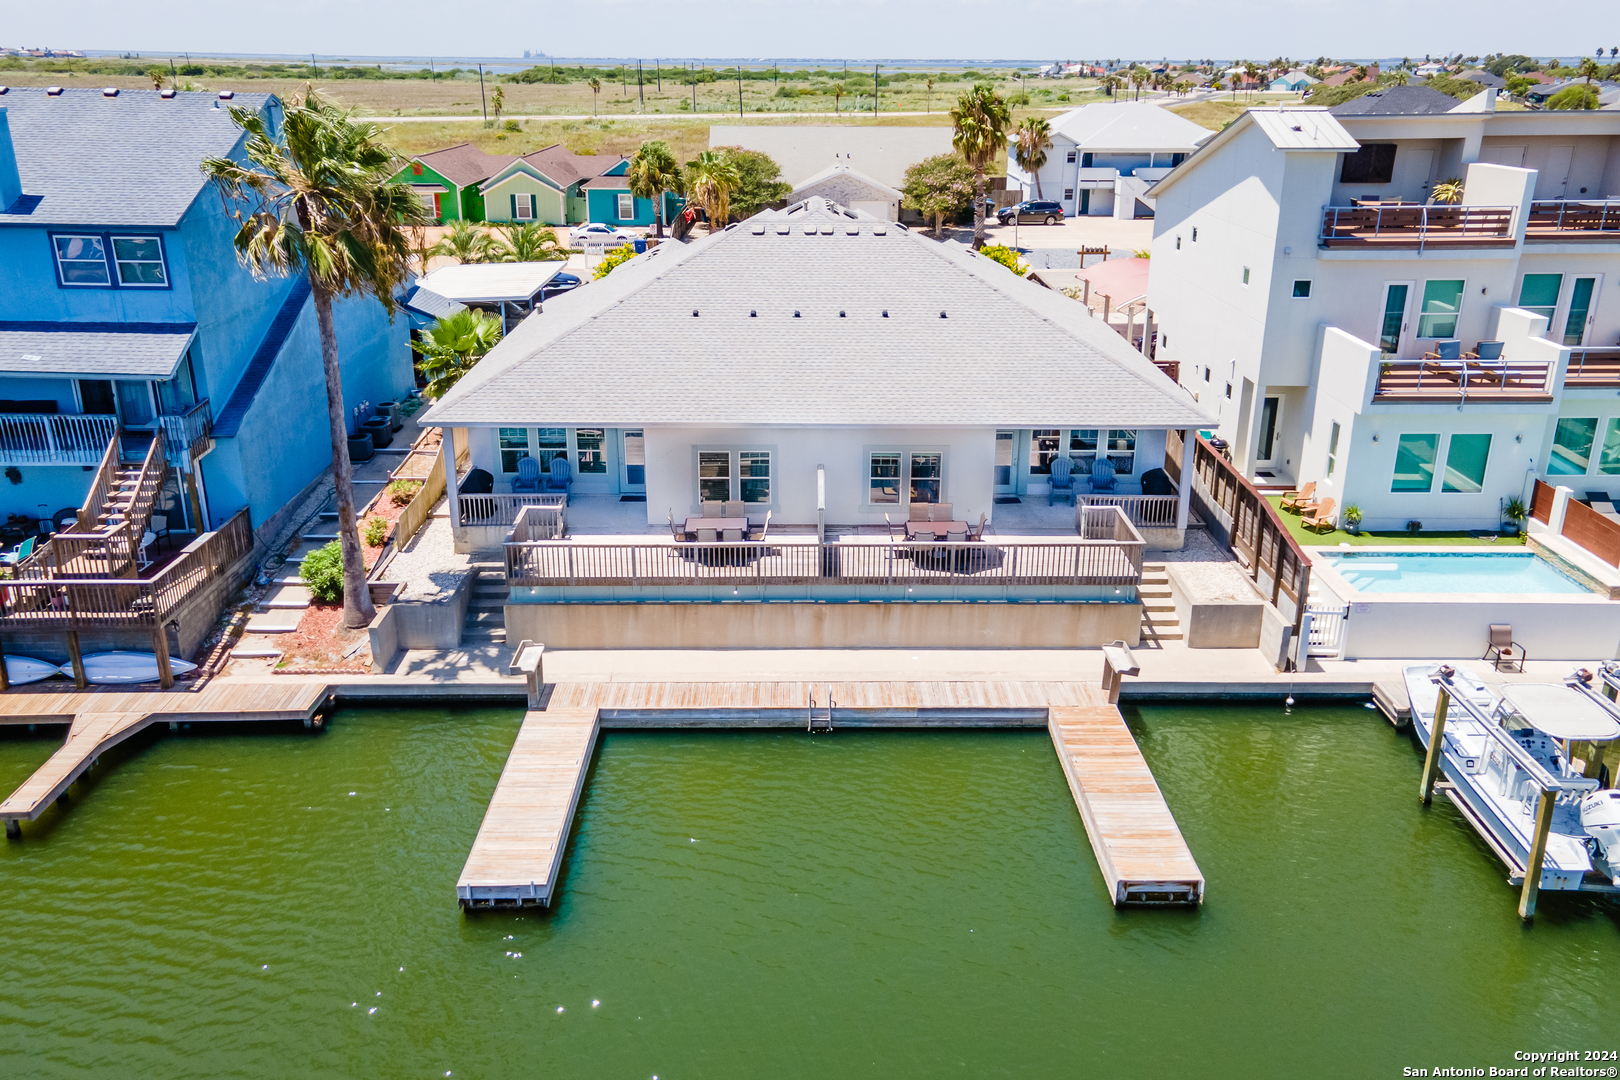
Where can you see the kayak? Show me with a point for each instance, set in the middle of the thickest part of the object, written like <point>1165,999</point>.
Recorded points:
<point>25,669</point>
<point>121,668</point>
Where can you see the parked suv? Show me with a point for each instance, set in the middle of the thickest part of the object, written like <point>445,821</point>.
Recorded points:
<point>1031,213</point>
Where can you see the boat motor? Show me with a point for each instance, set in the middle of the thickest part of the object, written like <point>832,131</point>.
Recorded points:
<point>1600,817</point>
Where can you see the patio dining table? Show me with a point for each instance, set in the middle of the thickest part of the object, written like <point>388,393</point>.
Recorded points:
<point>719,525</point>
<point>934,530</point>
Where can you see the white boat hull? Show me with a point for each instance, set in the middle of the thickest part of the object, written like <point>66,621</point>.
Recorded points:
<point>21,670</point>
<point>126,668</point>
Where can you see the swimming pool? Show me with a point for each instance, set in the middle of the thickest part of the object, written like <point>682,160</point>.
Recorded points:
<point>1453,572</point>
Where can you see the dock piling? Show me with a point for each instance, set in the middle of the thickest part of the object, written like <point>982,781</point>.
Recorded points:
<point>13,829</point>
<point>1538,853</point>
<point>1431,762</point>
<point>76,655</point>
<point>160,650</point>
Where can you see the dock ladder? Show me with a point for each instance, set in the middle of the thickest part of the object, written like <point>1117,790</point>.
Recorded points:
<point>813,724</point>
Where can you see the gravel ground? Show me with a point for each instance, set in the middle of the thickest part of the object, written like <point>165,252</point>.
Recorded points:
<point>1208,571</point>
<point>429,565</point>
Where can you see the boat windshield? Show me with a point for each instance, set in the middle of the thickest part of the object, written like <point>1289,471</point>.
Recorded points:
<point>1561,712</point>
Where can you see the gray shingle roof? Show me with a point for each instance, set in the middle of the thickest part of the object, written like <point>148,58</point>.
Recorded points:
<point>133,159</point>
<point>97,349</point>
<point>465,164</point>
<point>628,350</point>
<point>1397,101</point>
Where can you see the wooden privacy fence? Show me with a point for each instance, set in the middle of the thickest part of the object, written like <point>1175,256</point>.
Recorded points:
<point>1109,554</point>
<point>417,511</point>
<point>1541,502</point>
<point>74,603</point>
<point>1582,525</point>
<point>1276,561</point>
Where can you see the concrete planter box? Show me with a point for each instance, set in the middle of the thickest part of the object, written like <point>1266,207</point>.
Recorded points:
<point>419,624</point>
<point>1215,624</point>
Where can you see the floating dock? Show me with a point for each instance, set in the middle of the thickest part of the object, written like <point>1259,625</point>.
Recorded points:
<point>518,853</point>
<point>1138,845</point>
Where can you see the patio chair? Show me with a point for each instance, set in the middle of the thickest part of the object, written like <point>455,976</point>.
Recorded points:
<point>731,535</point>
<point>919,511</point>
<point>1488,350</point>
<point>1062,481</point>
<point>528,476</point>
<point>1502,648</point>
<point>1300,500</point>
<point>956,536</point>
<point>1445,349</point>
<point>1320,518</point>
<point>158,526</point>
<point>736,509</point>
<point>18,553</point>
<point>707,536</point>
<point>143,556</point>
<point>896,532</point>
<point>978,534</point>
<point>1102,475</point>
<point>713,508</point>
<point>764,528</point>
<point>562,476</point>
<point>942,512</point>
<point>678,531</point>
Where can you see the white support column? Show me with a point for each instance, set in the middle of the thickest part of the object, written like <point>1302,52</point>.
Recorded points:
<point>447,458</point>
<point>1555,519</point>
<point>1184,496</point>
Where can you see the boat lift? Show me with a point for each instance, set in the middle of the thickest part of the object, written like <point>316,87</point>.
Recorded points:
<point>1551,787</point>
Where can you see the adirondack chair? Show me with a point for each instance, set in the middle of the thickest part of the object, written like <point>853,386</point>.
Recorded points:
<point>1321,518</point>
<point>528,476</point>
<point>1102,475</point>
<point>562,475</point>
<point>1062,481</point>
<point>18,553</point>
<point>1300,500</point>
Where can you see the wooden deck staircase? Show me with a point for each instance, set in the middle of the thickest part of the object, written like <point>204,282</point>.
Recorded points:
<point>1159,622</point>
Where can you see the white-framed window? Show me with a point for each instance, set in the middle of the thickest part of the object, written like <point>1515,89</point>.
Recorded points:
<point>1195,234</point>
<point>1044,445</point>
<point>895,477</point>
<point>1333,450</point>
<point>550,443</point>
<point>140,261</point>
<point>1178,243</point>
<point>81,260</point>
<point>731,475</point>
<point>1068,193</point>
<point>514,444</point>
<point>524,207</point>
<point>883,478</point>
<point>1442,303</point>
<point>1121,449</point>
<point>589,441</point>
<point>1083,446</point>
<point>927,477</point>
<point>1070,157</point>
<point>627,207</point>
<point>1302,289</point>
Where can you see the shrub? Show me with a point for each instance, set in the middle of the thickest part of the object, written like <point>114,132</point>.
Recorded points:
<point>322,572</point>
<point>1414,527</point>
<point>403,491</point>
<point>621,254</point>
<point>1006,256</point>
<point>511,125</point>
<point>376,532</point>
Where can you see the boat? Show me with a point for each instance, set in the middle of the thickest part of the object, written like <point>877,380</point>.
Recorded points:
<point>1503,748</point>
<point>124,668</point>
<point>25,669</point>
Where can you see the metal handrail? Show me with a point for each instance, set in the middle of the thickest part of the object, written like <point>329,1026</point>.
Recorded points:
<point>1449,221</point>
<point>1468,376</point>
<point>1560,212</point>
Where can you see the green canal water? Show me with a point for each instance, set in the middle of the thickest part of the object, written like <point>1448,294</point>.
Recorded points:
<point>256,903</point>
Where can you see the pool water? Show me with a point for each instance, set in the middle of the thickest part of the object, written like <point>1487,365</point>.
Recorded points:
<point>736,905</point>
<point>1454,572</point>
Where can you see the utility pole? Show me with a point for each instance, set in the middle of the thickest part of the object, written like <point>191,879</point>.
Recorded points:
<point>693,76</point>
<point>641,92</point>
<point>739,90</point>
<point>658,73</point>
<point>481,100</point>
<point>433,73</point>
<point>874,89</point>
<point>312,64</point>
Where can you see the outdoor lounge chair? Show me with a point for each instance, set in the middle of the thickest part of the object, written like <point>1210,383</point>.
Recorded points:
<point>1502,648</point>
<point>764,528</point>
<point>1300,500</point>
<point>18,553</point>
<point>528,476</point>
<point>1102,475</point>
<point>1062,481</point>
<point>1445,349</point>
<point>1488,350</point>
<point>1320,518</point>
<point>896,532</point>
<point>562,476</point>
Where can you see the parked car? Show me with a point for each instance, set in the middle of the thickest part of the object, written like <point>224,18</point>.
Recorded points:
<point>1031,213</point>
<point>558,285</point>
<point>597,233</point>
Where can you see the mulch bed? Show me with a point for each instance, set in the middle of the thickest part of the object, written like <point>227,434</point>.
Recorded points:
<point>321,641</point>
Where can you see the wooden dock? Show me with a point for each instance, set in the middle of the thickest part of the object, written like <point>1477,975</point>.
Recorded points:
<point>102,718</point>
<point>1137,842</point>
<point>518,853</point>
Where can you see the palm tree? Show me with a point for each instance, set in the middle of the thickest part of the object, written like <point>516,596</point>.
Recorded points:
<point>596,92</point>
<point>1139,76</point>
<point>979,122</point>
<point>710,180</point>
<point>466,242</point>
<point>928,95</point>
<point>1030,145</point>
<point>652,172</point>
<point>1251,74</point>
<point>1589,68</point>
<point>497,102</point>
<point>322,204</point>
<point>455,343</point>
<point>528,241</point>
<point>838,92</point>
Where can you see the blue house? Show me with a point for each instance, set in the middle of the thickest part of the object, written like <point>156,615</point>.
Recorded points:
<point>608,200</point>
<point>124,312</point>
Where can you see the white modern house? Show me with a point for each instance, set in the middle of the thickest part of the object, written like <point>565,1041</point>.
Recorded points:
<point>1302,272</point>
<point>1104,157</point>
<point>824,377</point>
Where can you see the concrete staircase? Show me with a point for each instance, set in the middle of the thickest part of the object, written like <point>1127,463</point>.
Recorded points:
<point>1159,622</point>
<point>486,611</point>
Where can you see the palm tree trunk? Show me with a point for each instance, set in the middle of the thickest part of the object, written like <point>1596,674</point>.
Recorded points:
<point>978,207</point>
<point>357,608</point>
<point>658,210</point>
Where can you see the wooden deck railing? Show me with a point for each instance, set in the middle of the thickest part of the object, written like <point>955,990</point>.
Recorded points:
<point>1574,219</point>
<point>1417,226</point>
<point>1108,554</point>
<point>75,603</point>
<point>1149,511</point>
<point>1593,368</point>
<point>95,500</point>
<point>547,520</point>
<point>188,435</point>
<point>1276,561</point>
<point>55,438</point>
<point>1484,380</point>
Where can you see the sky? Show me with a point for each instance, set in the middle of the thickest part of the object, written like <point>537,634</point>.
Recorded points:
<point>920,29</point>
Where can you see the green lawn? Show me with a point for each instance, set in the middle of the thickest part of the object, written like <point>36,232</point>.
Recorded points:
<point>1375,539</point>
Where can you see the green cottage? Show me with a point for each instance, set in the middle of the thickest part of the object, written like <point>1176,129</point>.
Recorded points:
<point>545,186</point>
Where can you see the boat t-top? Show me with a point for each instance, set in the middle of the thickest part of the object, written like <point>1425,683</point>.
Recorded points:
<point>1511,761</point>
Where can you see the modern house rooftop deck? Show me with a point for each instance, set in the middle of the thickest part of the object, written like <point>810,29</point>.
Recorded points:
<point>1464,380</point>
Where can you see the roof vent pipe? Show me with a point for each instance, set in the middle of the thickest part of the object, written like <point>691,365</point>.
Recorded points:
<point>10,181</point>
<point>53,91</point>
<point>111,91</point>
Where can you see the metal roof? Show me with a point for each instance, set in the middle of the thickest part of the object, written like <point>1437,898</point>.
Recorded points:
<point>94,349</point>
<point>130,160</point>
<point>1129,126</point>
<point>1303,129</point>
<point>814,315</point>
<point>487,283</point>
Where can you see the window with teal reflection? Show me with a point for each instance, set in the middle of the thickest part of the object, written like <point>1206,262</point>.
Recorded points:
<point>1465,463</point>
<point>1414,463</point>
<point>1572,446</point>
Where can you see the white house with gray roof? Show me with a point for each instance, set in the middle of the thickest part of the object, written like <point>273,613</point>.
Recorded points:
<point>820,365</point>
